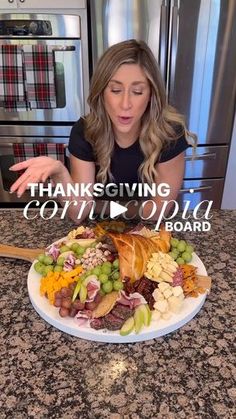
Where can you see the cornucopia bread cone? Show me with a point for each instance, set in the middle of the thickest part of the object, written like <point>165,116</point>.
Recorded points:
<point>135,250</point>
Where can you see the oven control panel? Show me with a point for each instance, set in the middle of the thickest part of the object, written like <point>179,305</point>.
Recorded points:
<point>25,27</point>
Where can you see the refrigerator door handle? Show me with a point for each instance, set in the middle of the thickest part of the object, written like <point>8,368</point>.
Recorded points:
<point>205,156</point>
<point>197,189</point>
<point>163,39</point>
<point>173,45</point>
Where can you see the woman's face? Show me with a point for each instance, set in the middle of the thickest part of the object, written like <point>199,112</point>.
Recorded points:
<point>126,98</point>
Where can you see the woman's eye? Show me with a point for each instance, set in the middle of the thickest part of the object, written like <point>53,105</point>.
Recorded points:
<point>115,91</point>
<point>137,92</point>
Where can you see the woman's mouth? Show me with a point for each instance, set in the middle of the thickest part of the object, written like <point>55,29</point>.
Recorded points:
<point>125,120</point>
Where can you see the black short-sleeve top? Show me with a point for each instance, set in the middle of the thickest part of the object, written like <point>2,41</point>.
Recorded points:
<point>125,161</point>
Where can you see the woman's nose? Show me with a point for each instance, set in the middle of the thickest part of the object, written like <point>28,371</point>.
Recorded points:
<point>126,101</point>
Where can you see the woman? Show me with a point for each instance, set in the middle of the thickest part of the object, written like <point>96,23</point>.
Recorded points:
<point>130,135</point>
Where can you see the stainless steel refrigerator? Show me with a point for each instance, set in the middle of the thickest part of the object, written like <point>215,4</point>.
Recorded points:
<point>194,42</point>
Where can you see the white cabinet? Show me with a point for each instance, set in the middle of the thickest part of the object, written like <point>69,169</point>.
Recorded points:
<point>42,4</point>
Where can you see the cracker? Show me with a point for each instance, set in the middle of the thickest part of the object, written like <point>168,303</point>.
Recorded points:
<point>105,305</point>
<point>204,282</point>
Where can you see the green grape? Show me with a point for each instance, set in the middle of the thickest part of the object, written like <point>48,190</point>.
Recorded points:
<point>115,275</point>
<point>48,260</point>
<point>174,242</point>
<point>107,263</point>
<point>41,257</point>
<point>103,278</point>
<point>43,273</point>
<point>74,247</point>
<point>101,292</point>
<point>64,249</point>
<point>96,271</point>
<point>189,248</point>
<point>80,250</point>
<point>88,273</point>
<point>175,252</point>
<point>186,256</point>
<point>106,269</point>
<point>39,268</point>
<point>116,263</point>
<point>173,255</point>
<point>180,261</point>
<point>107,287</point>
<point>181,246</point>
<point>60,261</point>
<point>48,268</point>
<point>117,285</point>
<point>57,268</point>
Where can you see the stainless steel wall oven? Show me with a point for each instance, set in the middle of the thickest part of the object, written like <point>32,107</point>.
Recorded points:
<point>66,35</point>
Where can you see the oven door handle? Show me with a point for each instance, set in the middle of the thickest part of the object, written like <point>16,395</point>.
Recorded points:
<point>64,48</point>
<point>3,145</point>
<point>204,156</point>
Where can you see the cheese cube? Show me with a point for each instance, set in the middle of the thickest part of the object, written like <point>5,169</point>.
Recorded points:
<point>167,293</point>
<point>156,315</point>
<point>166,315</point>
<point>157,295</point>
<point>161,305</point>
<point>177,291</point>
<point>163,286</point>
<point>175,304</point>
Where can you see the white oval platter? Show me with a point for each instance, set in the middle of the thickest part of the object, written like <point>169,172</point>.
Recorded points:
<point>157,328</point>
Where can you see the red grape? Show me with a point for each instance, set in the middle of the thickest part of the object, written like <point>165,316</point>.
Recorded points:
<point>65,292</point>
<point>57,302</point>
<point>78,305</point>
<point>73,312</point>
<point>91,305</point>
<point>57,294</point>
<point>66,302</point>
<point>64,312</point>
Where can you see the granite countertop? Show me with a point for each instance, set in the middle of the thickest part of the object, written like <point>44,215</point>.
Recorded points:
<point>45,373</point>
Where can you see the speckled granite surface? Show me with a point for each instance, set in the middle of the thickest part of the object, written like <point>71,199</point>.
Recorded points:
<point>45,373</point>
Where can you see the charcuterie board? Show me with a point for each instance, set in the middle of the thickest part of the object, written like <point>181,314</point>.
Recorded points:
<point>156,329</point>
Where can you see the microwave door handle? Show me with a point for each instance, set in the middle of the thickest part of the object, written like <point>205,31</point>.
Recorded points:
<point>174,28</point>
<point>205,156</point>
<point>197,189</point>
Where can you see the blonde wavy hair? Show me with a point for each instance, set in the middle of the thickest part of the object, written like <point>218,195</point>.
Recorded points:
<point>160,123</point>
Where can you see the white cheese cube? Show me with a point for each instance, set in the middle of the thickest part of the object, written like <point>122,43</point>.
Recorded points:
<point>167,315</point>
<point>167,293</point>
<point>161,305</point>
<point>163,286</point>
<point>177,291</point>
<point>175,304</point>
<point>156,315</point>
<point>157,295</point>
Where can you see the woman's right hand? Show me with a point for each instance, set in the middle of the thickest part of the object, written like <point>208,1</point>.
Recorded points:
<point>37,169</point>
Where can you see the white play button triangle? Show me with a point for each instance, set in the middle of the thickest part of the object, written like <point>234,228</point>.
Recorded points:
<point>116,209</point>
